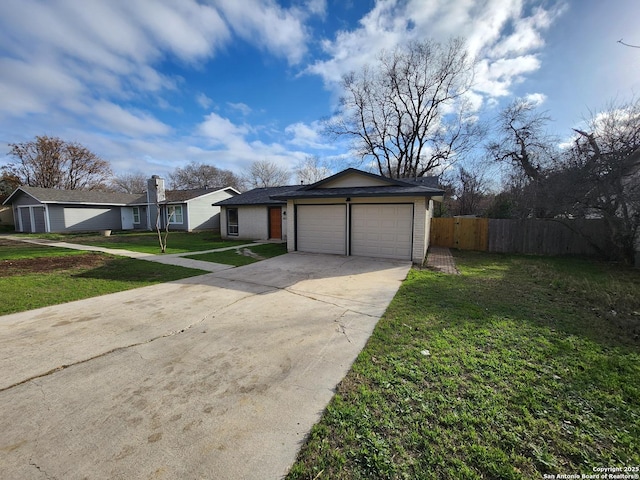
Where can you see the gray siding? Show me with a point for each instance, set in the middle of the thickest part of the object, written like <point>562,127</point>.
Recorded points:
<point>23,199</point>
<point>81,218</point>
<point>144,224</point>
<point>203,215</point>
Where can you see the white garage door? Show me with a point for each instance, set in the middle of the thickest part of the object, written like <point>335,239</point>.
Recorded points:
<point>382,231</point>
<point>322,229</point>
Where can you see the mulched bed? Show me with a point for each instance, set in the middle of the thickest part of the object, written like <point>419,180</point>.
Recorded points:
<point>25,266</point>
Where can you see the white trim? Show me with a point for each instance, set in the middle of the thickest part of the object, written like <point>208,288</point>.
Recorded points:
<point>47,226</point>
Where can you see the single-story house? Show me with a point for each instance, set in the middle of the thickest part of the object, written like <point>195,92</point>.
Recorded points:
<point>349,213</point>
<point>39,210</point>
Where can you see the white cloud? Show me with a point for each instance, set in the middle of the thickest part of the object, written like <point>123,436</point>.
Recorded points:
<point>503,34</point>
<point>317,7</point>
<point>536,99</point>
<point>243,108</point>
<point>204,101</point>
<point>266,24</point>
<point>218,130</point>
<point>496,78</point>
<point>131,123</point>
<point>526,36</point>
<point>309,136</point>
<point>27,87</point>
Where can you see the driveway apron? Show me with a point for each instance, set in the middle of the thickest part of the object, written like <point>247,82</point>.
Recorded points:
<point>216,376</point>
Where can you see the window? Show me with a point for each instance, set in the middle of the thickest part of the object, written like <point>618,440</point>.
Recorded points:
<point>136,214</point>
<point>232,221</point>
<point>174,212</point>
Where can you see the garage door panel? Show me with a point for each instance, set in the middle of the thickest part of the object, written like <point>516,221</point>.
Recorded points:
<point>382,230</point>
<point>322,229</point>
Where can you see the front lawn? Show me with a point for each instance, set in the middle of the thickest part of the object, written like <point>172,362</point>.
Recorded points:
<point>146,242</point>
<point>243,256</point>
<point>519,367</point>
<point>34,276</point>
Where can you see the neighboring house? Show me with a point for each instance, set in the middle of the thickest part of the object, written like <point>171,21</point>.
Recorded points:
<point>185,209</point>
<point>350,213</point>
<point>38,210</point>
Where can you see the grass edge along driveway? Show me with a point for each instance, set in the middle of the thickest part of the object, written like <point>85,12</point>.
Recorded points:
<point>517,368</point>
<point>36,276</point>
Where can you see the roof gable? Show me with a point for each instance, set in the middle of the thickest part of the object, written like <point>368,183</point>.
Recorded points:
<point>353,178</point>
<point>356,183</point>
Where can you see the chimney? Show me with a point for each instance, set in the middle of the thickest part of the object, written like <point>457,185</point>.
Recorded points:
<point>155,189</point>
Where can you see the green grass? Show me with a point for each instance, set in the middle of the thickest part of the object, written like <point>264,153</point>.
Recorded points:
<point>533,368</point>
<point>235,257</point>
<point>26,283</point>
<point>147,242</point>
<point>18,250</point>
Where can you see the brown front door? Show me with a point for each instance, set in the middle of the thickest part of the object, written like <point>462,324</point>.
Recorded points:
<point>275,222</point>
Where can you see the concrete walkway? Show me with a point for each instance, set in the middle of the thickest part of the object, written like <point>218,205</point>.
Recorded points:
<point>440,259</point>
<point>167,259</point>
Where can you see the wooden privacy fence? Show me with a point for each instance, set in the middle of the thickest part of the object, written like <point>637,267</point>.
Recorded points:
<point>460,232</point>
<point>535,236</point>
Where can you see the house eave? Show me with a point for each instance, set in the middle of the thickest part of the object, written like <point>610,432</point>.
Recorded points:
<point>304,195</point>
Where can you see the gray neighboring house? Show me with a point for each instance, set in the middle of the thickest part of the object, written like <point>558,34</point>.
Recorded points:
<point>349,213</point>
<point>41,210</point>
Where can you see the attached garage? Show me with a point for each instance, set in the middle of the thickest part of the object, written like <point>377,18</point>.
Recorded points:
<point>384,230</point>
<point>322,229</point>
<point>350,213</point>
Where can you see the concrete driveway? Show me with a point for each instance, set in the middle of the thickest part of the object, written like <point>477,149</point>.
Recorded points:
<point>219,376</point>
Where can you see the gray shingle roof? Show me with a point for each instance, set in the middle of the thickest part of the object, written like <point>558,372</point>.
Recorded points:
<point>94,197</point>
<point>378,191</point>
<point>259,196</point>
<point>52,195</point>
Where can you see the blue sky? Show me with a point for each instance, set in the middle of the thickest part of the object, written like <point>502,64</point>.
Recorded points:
<point>150,85</point>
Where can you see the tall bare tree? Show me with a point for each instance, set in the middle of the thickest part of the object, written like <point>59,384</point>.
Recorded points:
<point>407,113</point>
<point>129,183</point>
<point>521,139</point>
<point>51,162</point>
<point>265,173</point>
<point>311,170</point>
<point>200,175</point>
<point>600,176</point>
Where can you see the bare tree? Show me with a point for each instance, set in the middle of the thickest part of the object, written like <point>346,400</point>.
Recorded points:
<point>628,44</point>
<point>311,170</point>
<point>472,189</point>
<point>600,176</point>
<point>200,175</point>
<point>265,173</point>
<point>522,140</point>
<point>51,162</point>
<point>408,113</point>
<point>129,183</point>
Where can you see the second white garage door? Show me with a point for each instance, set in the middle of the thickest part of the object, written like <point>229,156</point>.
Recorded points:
<point>382,230</point>
<point>322,229</point>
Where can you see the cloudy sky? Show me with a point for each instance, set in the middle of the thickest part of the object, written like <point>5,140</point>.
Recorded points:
<point>151,85</point>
